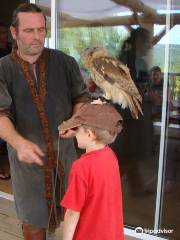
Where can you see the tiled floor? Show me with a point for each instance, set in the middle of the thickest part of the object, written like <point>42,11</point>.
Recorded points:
<point>10,227</point>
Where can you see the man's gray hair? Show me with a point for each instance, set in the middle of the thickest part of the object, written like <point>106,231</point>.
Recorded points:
<point>25,7</point>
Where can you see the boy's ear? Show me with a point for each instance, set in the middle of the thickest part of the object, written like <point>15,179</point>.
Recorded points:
<point>91,134</point>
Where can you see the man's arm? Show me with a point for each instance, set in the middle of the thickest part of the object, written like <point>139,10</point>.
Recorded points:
<point>70,222</point>
<point>27,151</point>
<point>70,133</point>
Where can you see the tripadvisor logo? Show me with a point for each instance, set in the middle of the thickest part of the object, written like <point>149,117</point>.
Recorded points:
<point>138,230</point>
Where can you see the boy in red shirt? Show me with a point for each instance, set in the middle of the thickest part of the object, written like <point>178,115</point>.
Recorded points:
<point>93,200</point>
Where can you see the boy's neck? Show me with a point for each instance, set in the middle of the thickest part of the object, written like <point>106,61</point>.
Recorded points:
<point>95,146</point>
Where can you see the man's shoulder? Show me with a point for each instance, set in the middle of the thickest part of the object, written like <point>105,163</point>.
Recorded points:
<point>59,54</point>
<point>6,61</point>
<point>5,58</point>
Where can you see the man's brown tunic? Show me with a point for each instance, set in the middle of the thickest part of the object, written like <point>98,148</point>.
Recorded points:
<point>64,86</point>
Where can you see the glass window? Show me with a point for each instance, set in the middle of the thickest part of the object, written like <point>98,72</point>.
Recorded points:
<point>171,183</point>
<point>45,5</point>
<point>134,146</point>
<point>142,43</point>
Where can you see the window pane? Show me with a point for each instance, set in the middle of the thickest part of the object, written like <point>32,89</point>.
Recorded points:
<point>134,146</point>
<point>171,186</point>
<point>45,5</point>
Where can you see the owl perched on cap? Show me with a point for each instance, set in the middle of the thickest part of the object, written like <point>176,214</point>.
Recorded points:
<point>113,78</point>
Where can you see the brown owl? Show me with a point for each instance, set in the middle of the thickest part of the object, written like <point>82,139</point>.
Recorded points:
<point>113,78</point>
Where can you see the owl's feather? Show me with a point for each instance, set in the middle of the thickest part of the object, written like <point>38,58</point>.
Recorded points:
<point>113,78</point>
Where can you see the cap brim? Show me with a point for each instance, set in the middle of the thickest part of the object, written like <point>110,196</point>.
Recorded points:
<point>69,124</point>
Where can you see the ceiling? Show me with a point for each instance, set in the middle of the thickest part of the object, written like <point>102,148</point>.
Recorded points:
<point>84,9</point>
<point>103,8</point>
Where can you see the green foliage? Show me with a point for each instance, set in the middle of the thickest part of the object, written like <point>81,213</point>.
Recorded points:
<point>77,39</point>
<point>74,40</point>
<point>174,63</point>
<point>159,57</point>
<point>177,88</point>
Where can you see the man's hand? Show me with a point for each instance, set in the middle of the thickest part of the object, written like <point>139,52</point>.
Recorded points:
<point>70,133</point>
<point>66,134</point>
<point>28,152</point>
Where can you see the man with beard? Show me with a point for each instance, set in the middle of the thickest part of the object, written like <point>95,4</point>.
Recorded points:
<point>39,89</point>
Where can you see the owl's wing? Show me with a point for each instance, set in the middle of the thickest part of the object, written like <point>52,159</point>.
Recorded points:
<point>117,74</point>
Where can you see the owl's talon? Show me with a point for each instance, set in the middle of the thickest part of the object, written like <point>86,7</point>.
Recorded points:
<point>106,96</point>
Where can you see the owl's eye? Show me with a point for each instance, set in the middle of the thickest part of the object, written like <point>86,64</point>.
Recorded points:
<point>91,53</point>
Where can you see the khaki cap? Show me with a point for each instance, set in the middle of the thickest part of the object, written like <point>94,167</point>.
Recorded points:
<point>95,114</point>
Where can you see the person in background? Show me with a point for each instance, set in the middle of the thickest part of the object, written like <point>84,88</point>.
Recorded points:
<point>93,200</point>
<point>39,89</point>
<point>136,132</point>
<point>156,92</point>
<point>5,49</point>
<point>5,46</point>
<point>135,54</point>
<point>156,76</point>
<point>156,95</point>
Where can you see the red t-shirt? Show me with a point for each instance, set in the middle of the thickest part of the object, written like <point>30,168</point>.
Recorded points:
<point>94,190</point>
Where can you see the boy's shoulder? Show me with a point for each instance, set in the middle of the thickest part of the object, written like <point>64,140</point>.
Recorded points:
<point>80,167</point>
<point>82,160</point>
<point>88,157</point>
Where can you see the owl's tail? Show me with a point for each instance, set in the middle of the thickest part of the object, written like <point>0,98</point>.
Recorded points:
<point>137,104</point>
<point>132,102</point>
